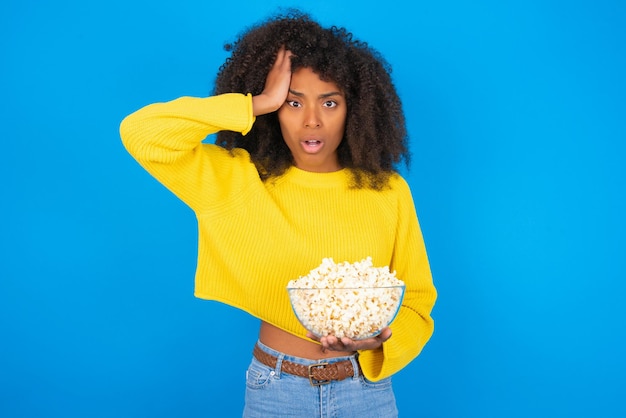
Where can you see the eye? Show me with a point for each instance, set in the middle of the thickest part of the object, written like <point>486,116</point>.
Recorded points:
<point>330,103</point>
<point>294,103</point>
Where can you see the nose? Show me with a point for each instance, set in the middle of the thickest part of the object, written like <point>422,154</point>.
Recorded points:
<point>312,119</point>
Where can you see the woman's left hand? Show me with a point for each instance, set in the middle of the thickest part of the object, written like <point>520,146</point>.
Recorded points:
<point>333,343</point>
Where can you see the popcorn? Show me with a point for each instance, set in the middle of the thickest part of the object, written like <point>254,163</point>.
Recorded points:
<point>354,300</point>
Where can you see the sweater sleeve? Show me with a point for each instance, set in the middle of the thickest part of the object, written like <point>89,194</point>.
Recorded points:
<point>413,325</point>
<point>166,139</point>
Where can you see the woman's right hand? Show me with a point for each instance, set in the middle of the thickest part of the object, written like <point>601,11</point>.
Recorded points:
<point>276,87</point>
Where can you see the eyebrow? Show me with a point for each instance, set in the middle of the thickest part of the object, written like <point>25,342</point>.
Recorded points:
<point>321,96</point>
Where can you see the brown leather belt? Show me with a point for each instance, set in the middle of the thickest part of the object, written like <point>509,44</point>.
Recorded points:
<point>317,373</point>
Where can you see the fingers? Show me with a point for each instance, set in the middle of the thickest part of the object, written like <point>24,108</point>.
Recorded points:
<point>276,85</point>
<point>283,59</point>
<point>333,343</point>
<point>280,74</point>
<point>312,336</point>
<point>385,334</point>
<point>282,62</point>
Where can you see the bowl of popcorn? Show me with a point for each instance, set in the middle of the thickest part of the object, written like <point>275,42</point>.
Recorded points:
<point>354,300</point>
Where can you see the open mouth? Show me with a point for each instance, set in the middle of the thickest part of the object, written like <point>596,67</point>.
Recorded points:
<point>312,144</point>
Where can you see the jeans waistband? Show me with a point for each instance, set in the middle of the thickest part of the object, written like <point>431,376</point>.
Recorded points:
<point>300,360</point>
<point>319,372</point>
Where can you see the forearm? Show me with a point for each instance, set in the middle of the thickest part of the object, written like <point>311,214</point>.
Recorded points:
<point>163,132</point>
<point>410,332</point>
<point>166,139</point>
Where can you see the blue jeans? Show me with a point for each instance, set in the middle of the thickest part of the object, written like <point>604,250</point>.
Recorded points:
<point>272,393</point>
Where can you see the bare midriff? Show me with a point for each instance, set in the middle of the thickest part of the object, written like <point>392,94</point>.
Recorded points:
<point>287,343</point>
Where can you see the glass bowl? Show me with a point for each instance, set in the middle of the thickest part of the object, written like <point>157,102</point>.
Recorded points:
<point>356,313</point>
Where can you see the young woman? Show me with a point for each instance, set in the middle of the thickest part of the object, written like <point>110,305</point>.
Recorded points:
<point>310,130</point>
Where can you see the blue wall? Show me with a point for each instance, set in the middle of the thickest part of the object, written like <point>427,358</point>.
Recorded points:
<point>517,115</point>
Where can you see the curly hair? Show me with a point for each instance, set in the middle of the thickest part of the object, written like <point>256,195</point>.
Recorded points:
<point>375,138</point>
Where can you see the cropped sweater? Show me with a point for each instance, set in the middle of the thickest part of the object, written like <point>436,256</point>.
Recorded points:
<point>255,236</point>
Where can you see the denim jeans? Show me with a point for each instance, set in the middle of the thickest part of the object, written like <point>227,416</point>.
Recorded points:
<point>272,393</point>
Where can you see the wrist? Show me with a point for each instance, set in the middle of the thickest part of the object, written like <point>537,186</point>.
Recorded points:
<point>263,104</point>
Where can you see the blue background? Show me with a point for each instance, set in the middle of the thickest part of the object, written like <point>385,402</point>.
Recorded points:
<point>516,111</point>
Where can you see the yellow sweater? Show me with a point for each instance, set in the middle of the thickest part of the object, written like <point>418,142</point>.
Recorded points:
<point>255,236</point>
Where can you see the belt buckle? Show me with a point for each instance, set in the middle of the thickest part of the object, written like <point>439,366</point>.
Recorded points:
<point>313,381</point>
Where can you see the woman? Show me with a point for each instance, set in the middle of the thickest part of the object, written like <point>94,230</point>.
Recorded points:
<point>309,131</point>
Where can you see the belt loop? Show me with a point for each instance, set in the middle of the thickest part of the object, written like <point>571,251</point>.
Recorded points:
<point>279,364</point>
<point>355,366</point>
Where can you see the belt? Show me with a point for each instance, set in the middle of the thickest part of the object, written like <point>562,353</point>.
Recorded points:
<point>318,373</point>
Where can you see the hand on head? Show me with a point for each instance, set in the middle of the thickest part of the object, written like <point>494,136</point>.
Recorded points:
<point>276,85</point>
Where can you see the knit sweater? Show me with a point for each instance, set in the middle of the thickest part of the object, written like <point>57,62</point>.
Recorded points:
<point>255,236</point>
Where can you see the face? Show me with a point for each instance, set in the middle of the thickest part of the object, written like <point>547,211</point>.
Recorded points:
<point>312,121</point>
